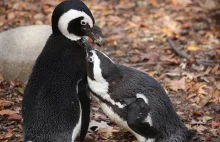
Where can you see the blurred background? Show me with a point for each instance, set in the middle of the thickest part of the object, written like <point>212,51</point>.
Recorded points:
<point>175,41</point>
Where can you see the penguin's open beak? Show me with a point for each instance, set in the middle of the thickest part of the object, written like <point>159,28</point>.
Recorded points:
<point>94,33</point>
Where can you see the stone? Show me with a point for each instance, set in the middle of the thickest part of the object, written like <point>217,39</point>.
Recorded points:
<point>19,48</point>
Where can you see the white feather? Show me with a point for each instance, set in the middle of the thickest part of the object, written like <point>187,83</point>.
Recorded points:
<point>118,120</point>
<point>148,119</point>
<point>100,86</point>
<point>105,56</point>
<point>77,128</point>
<point>69,16</point>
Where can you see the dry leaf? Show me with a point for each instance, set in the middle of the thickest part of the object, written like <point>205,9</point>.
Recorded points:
<point>7,112</point>
<point>176,85</point>
<point>107,132</point>
<point>7,135</point>
<point>14,117</point>
<point>193,48</point>
<point>200,128</point>
<point>215,124</point>
<point>135,59</point>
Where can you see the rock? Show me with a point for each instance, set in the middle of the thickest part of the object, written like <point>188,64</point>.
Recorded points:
<point>19,48</point>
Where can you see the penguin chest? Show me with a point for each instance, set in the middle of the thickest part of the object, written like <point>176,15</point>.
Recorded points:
<point>117,119</point>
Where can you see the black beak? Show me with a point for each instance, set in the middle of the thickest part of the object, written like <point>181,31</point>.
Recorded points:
<point>94,33</point>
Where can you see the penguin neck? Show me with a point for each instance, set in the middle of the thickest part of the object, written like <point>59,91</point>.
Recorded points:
<point>64,43</point>
<point>61,51</point>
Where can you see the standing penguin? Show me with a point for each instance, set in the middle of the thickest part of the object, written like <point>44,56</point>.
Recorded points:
<point>134,100</point>
<point>56,105</point>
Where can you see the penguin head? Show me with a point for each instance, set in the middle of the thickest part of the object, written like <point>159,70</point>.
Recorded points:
<point>73,19</point>
<point>101,70</point>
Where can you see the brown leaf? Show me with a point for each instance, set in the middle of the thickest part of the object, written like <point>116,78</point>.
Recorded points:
<point>200,128</point>
<point>100,116</point>
<point>215,124</point>
<point>169,59</point>
<point>176,85</point>
<point>6,104</point>
<point>135,59</point>
<point>7,112</point>
<point>7,135</point>
<point>202,90</point>
<point>14,117</point>
<point>107,132</point>
<point>193,48</point>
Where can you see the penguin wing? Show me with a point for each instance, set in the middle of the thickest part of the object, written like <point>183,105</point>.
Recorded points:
<point>138,114</point>
<point>83,94</point>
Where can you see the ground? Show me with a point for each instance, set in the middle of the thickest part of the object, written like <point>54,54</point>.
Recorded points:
<point>174,41</point>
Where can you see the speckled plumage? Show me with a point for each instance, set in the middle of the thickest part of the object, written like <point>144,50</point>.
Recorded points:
<point>56,105</point>
<point>50,98</point>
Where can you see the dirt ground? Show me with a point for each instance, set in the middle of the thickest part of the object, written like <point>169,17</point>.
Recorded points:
<point>174,41</point>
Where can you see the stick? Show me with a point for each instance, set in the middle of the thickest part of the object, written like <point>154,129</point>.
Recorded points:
<point>178,52</point>
<point>190,61</point>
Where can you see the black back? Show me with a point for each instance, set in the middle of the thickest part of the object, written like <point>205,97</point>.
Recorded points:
<point>50,107</point>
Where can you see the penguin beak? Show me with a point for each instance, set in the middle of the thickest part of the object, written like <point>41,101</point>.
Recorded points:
<point>94,33</point>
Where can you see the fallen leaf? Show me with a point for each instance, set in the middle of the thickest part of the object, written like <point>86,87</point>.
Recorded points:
<point>200,128</point>
<point>215,124</point>
<point>100,116</point>
<point>135,59</point>
<point>21,90</point>
<point>7,135</point>
<point>176,85</point>
<point>189,75</point>
<point>193,48</point>
<point>107,132</point>
<point>7,112</point>
<point>14,117</point>
<point>6,104</point>
<point>202,90</point>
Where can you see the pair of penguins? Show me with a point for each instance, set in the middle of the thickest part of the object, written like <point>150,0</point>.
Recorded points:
<point>56,104</point>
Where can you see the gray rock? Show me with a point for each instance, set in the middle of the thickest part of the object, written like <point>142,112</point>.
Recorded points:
<point>19,48</point>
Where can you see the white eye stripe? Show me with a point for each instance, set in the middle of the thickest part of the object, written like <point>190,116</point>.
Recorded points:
<point>69,16</point>
<point>105,55</point>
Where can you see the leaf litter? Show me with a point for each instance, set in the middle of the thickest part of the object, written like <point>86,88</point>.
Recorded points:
<point>136,33</point>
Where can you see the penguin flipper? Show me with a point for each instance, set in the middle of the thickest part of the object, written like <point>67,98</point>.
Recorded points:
<point>83,94</point>
<point>137,115</point>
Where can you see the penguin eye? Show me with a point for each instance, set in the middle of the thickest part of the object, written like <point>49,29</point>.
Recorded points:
<point>90,59</point>
<point>83,22</point>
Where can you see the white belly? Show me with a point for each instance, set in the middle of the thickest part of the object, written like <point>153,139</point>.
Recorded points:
<point>118,120</point>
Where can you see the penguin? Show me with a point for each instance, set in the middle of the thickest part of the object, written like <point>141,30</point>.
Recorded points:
<point>133,100</point>
<point>56,105</point>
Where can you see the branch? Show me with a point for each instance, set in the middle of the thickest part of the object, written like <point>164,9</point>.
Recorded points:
<point>190,61</point>
<point>178,52</point>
